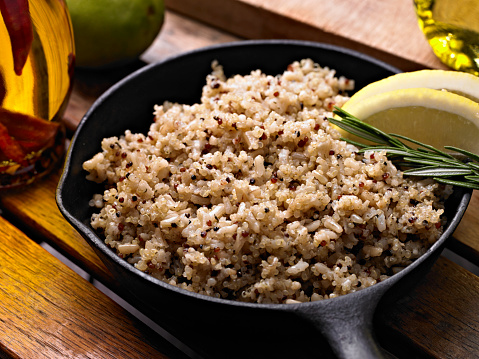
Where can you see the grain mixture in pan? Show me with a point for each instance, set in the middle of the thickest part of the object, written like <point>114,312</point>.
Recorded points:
<point>249,195</point>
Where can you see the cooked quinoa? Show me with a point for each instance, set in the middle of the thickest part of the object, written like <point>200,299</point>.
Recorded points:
<point>250,195</point>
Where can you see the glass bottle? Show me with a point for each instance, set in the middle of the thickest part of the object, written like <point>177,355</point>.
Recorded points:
<point>36,68</point>
<point>452,29</point>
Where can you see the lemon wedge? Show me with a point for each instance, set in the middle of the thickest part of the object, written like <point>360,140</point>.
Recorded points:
<point>461,83</point>
<point>435,117</point>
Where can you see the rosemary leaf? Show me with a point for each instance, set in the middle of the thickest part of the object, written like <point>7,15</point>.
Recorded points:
<point>434,163</point>
<point>426,155</point>
<point>430,171</point>
<point>348,119</point>
<point>465,184</point>
<point>431,148</point>
<point>471,155</point>
<point>357,131</point>
<point>354,143</point>
<point>473,165</point>
<point>472,178</point>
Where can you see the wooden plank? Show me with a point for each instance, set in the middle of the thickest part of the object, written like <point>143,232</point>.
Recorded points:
<point>180,34</point>
<point>48,311</point>
<point>340,22</point>
<point>465,241</point>
<point>440,317</point>
<point>42,220</point>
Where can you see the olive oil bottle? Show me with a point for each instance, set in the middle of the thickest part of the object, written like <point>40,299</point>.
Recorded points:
<point>36,68</point>
<point>452,29</point>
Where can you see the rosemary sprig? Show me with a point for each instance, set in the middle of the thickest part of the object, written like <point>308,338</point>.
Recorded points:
<point>425,160</point>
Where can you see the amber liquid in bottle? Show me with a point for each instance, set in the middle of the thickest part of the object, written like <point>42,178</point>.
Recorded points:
<point>452,29</point>
<point>41,92</point>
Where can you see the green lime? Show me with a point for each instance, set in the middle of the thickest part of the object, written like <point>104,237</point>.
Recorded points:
<point>113,32</point>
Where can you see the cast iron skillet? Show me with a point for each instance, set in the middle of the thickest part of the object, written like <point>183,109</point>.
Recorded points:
<point>340,327</point>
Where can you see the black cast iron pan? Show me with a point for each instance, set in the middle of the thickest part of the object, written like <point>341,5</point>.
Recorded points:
<point>340,327</point>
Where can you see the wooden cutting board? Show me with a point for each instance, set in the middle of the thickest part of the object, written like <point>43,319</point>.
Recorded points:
<point>385,29</point>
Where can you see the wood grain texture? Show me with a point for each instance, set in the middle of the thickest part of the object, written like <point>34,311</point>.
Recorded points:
<point>42,219</point>
<point>180,34</point>
<point>466,237</point>
<point>369,26</point>
<point>440,316</point>
<point>48,311</point>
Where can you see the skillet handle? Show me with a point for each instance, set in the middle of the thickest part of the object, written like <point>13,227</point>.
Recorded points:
<point>347,324</point>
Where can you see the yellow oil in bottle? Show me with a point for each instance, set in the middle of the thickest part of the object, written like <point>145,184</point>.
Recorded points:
<point>41,92</point>
<point>452,29</point>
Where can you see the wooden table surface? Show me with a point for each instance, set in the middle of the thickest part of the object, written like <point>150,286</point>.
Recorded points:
<point>47,310</point>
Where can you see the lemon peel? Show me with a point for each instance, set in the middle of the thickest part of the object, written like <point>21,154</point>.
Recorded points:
<point>461,83</point>
<point>435,117</point>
